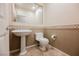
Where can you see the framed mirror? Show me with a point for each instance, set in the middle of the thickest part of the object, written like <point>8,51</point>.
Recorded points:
<point>29,13</point>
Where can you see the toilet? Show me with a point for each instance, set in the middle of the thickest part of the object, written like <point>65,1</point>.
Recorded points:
<point>43,42</point>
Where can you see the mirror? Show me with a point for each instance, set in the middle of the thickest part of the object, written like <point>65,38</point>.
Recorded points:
<point>29,13</point>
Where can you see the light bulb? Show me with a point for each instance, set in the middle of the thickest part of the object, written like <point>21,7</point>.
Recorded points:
<point>33,7</point>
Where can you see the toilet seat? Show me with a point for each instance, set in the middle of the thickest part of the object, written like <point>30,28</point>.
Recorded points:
<point>44,41</point>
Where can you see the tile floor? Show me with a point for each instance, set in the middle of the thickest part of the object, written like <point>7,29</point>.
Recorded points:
<point>35,51</point>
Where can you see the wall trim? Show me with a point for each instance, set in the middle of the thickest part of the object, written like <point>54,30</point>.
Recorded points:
<point>31,46</point>
<point>13,51</point>
<point>60,51</point>
<point>55,27</point>
<point>16,50</point>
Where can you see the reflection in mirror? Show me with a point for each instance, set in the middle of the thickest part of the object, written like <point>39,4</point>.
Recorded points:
<point>29,13</point>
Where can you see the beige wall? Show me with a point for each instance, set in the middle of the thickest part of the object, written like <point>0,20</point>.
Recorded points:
<point>67,40</point>
<point>61,14</point>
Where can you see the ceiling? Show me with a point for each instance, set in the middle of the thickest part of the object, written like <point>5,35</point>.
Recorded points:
<point>28,6</point>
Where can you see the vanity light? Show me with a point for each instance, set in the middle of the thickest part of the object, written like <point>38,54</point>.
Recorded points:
<point>33,7</point>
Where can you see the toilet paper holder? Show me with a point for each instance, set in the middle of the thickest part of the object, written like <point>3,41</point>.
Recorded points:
<point>53,37</point>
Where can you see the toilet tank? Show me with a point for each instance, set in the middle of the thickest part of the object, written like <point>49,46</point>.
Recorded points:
<point>39,35</point>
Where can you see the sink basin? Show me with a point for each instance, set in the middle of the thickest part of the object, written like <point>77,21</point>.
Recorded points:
<point>23,33</point>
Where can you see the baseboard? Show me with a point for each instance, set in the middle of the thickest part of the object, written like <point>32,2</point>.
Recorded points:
<point>16,50</point>
<point>13,51</point>
<point>60,51</point>
<point>31,46</point>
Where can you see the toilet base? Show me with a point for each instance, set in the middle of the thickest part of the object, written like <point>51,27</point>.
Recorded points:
<point>43,48</point>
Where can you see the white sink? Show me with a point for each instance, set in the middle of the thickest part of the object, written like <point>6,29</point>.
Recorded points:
<point>23,34</point>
